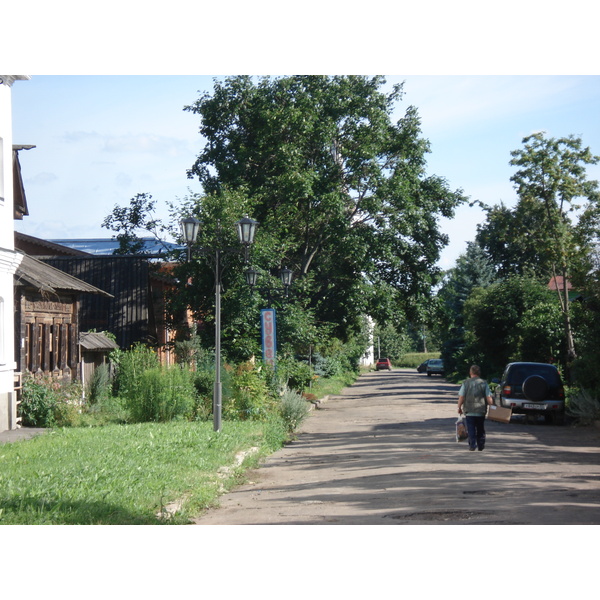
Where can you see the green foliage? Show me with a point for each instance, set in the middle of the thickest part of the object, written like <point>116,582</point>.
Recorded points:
<point>250,399</point>
<point>160,394</point>
<point>294,409</point>
<point>392,343</point>
<point>340,192</point>
<point>413,359</point>
<point>583,405</point>
<point>48,402</point>
<point>128,222</point>
<point>539,237</point>
<point>130,364</point>
<point>99,387</point>
<point>294,374</point>
<point>513,319</point>
<point>38,404</point>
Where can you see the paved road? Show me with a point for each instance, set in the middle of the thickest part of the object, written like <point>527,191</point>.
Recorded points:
<point>384,452</point>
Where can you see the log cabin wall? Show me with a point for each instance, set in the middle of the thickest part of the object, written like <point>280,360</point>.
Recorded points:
<point>48,341</point>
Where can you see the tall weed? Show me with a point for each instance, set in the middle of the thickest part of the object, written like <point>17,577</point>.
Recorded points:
<point>161,394</point>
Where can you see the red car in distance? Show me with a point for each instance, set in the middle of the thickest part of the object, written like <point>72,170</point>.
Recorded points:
<point>383,363</point>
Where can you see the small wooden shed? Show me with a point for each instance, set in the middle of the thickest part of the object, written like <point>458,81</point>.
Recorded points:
<point>95,348</point>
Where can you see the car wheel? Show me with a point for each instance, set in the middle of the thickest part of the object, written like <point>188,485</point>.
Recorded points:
<point>428,374</point>
<point>535,388</point>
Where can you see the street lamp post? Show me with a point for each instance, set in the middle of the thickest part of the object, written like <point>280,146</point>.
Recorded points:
<point>285,275</point>
<point>246,229</point>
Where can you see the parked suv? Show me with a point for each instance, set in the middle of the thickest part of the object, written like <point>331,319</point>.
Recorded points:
<point>532,388</point>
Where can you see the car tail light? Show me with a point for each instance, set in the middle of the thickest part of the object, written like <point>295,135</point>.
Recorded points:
<point>561,393</point>
<point>506,390</point>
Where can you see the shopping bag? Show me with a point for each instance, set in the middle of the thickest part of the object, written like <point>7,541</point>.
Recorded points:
<point>461,429</point>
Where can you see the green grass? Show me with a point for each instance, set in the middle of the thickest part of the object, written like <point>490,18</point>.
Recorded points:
<point>414,359</point>
<point>331,385</point>
<point>125,474</point>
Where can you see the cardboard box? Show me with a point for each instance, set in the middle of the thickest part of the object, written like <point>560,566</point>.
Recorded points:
<point>499,413</point>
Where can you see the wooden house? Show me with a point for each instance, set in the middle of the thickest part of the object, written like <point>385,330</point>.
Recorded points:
<point>47,304</point>
<point>134,311</point>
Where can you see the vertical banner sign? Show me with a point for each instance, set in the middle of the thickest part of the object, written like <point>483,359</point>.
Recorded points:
<point>269,345</point>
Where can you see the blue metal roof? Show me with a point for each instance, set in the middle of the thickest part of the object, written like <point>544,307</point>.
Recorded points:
<point>106,247</point>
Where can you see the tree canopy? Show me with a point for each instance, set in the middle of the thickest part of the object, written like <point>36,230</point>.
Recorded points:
<point>340,190</point>
<point>545,234</point>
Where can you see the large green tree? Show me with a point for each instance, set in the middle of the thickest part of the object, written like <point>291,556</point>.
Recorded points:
<point>517,318</point>
<point>472,270</point>
<point>540,235</point>
<point>340,190</point>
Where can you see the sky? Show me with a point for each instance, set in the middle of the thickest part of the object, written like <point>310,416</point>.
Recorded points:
<point>102,139</point>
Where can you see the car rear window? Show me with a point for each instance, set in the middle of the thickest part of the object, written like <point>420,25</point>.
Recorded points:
<point>518,374</point>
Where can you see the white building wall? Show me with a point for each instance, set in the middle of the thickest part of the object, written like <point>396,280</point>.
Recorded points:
<point>368,358</point>
<point>9,259</point>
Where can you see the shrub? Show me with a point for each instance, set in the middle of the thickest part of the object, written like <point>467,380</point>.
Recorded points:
<point>48,402</point>
<point>583,406</point>
<point>204,380</point>
<point>250,398</point>
<point>414,359</point>
<point>294,409</point>
<point>160,394</point>
<point>294,374</point>
<point>327,366</point>
<point>38,404</point>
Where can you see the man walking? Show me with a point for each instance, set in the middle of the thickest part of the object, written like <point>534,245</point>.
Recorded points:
<point>475,395</point>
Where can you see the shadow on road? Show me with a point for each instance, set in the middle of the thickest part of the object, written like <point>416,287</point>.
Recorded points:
<point>384,452</point>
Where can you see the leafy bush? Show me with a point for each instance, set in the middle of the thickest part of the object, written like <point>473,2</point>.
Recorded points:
<point>250,398</point>
<point>38,404</point>
<point>294,374</point>
<point>294,409</point>
<point>327,366</point>
<point>583,406</point>
<point>160,394</point>
<point>48,402</point>
<point>204,380</point>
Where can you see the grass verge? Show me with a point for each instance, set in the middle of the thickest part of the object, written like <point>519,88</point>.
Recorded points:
<point>331,385</point>
<point>126,474</point>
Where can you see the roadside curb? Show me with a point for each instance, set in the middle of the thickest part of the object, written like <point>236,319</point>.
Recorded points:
<point>316,404</point>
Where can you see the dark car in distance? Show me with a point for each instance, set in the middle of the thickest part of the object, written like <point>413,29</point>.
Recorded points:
<point>423,366</point>
<point>532,388</point>
<point>383,363</point>
<point>435,366</point>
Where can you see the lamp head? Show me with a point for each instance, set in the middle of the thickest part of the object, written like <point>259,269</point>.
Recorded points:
<point>190,227</point>
<point>246,229</point>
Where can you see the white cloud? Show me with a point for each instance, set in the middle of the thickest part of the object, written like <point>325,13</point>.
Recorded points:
<point>123,179</point>
<point>41,179</point>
